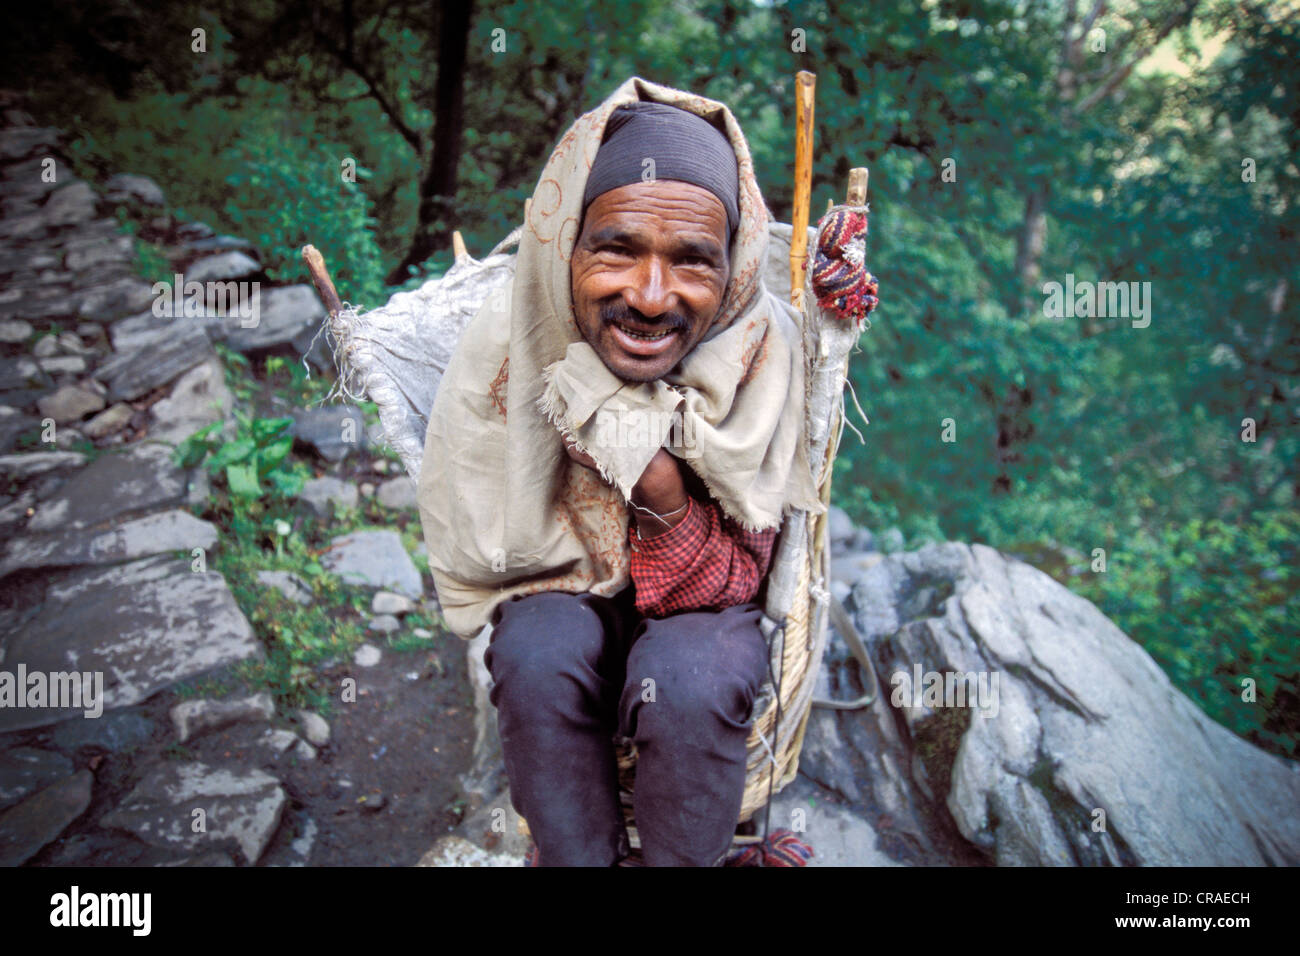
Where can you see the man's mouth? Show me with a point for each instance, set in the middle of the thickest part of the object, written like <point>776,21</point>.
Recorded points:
<point>642,342</point>
<point>639,334</point>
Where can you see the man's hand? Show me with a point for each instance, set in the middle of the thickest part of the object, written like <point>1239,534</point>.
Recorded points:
<point>661,490</point>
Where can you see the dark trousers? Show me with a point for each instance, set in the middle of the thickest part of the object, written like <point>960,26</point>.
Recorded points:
<point>571,670</point>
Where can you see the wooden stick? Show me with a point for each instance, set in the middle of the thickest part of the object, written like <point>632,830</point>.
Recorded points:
<point>805,85</point>
<point>320,278</point>
<point>458,246</point>
<point>857,192</point>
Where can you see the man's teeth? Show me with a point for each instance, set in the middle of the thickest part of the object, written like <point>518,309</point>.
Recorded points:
<point>643,335</point>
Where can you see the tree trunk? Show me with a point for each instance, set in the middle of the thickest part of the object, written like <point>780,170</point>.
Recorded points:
<point>438,187</point>
<point>1029,247</point>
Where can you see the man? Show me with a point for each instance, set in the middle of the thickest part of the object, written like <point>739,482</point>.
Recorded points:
<point>608,461</point>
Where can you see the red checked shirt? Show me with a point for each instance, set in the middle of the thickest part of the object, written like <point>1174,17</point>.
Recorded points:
<point>704,563</point>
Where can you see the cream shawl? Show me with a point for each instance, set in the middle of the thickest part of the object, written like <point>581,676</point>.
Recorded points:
<point>504,510</point>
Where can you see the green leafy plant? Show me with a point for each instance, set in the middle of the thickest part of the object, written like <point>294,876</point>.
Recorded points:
<point>254,463</point>
<point>300,639</point>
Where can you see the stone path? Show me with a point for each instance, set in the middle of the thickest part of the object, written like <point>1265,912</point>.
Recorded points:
<point>98,384</point>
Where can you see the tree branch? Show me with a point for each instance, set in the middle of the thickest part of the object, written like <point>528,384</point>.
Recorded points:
<point>1121,73</point>
<point>347,60</point>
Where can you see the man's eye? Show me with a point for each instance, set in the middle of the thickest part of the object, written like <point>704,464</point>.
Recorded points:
<point>616,250</point>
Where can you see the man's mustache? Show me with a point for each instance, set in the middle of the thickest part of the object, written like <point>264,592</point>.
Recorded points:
<point>619,311</point>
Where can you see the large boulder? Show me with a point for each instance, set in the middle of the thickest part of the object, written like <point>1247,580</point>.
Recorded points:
<point>286,314</point>
<point>143,476</point>
<point>173,530</point>
<point>331,431</point>
<point>24,770</point>
<point>135,190</point>
<point>1074,748</point>
<point>198,398</point>
<point>154,361</point>
<point>40,818</point>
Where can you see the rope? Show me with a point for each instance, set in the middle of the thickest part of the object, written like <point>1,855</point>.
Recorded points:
<point>866,421</point>
<point>344,383</point>
<point>771,754</point>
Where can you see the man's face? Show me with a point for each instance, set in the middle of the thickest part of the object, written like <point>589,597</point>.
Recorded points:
<point>651,259</point>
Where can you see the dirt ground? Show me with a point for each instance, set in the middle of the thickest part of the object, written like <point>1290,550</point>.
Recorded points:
<point>379,794</point>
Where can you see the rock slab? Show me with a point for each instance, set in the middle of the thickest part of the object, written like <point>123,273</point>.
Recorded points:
<point>239,807</point>
<point>30,825</point>
<point>374,559</point>
<point>144,625</point>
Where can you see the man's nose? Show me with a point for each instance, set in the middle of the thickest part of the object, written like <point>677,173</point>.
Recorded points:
<point>650,291</point>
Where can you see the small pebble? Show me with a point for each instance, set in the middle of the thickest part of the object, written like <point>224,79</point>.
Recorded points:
<point>314,727</point>
<point>367,655</point>
<point>71,343</point>
<point>372,802</point>
<point>386,602</point>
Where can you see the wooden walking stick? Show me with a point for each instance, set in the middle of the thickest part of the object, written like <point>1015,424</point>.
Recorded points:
<point>805,85</point>
<point>804,89</point>
<point>320,278</point>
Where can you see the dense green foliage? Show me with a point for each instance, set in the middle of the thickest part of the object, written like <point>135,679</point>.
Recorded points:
<point>1010,144</point>
<point>1160,586</point>
<point>282,198</point>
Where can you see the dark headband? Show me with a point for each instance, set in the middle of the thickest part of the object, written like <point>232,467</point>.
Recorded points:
<point>684,147</point>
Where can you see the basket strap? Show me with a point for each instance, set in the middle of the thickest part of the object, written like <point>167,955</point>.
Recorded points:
<point>844,625</point>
